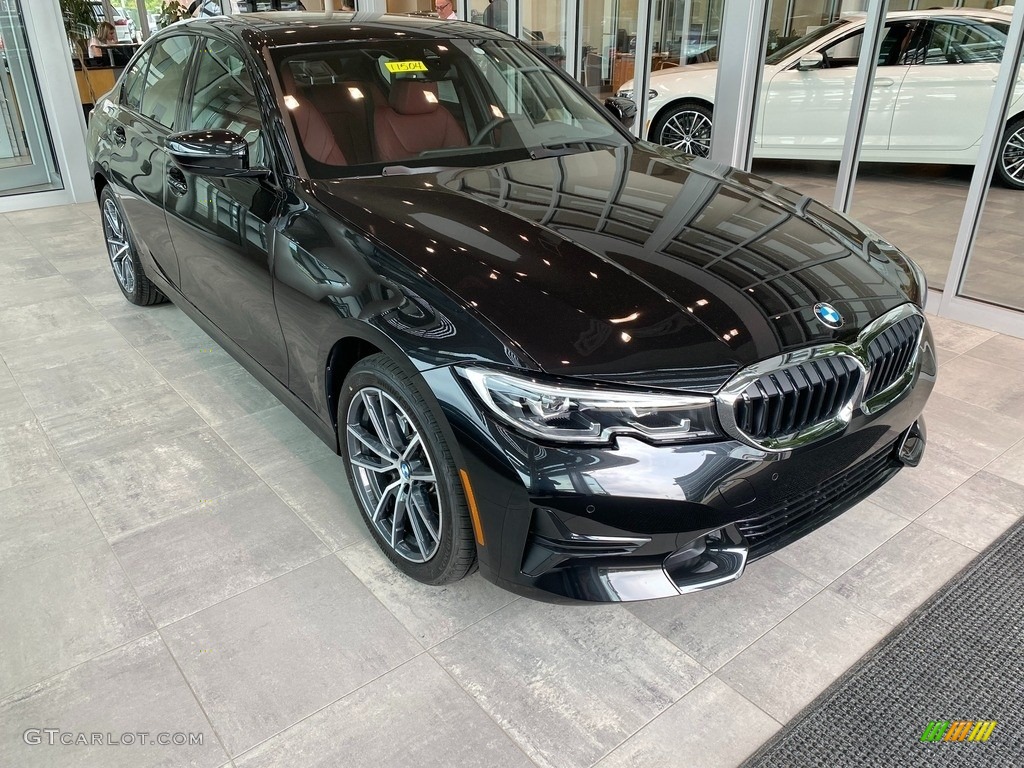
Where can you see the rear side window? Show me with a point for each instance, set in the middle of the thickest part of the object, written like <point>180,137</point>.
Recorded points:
<point>162,88</point>
<point>131,86</point>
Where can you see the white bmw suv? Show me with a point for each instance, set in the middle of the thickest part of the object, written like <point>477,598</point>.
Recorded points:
<point>935,79</point>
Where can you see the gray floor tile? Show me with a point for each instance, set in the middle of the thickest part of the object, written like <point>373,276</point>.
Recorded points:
<point>825,554</point>
<point>273,439</point>
<point>568,684</point>
<point>320,495</point>
<point>710,727</point>
<point>957,336</point>
<point>1010,465</point>
<point>25,453</point>
<point>30,266</point>
<point>431,614</point>
<point>178,358</point>
<point>45,289</point>
<point>915,489</point>
<point>271,656</point>
<point>65,609</point>
<point>784,670</point>
<point>42,517</point>
<point>210,553</point>
<point>163,322</point>
<point>223,394</point>
<point>131,690</point>
<point>977,512</point>
<point>974,434</point>
<point>413,716</point>
<point>158,479</point>
<point>54,316</point>
<point>51,390</point>
<point>983,383</point>
<point>112,426</point>
<point>768,592</point>
<point>1004,350</point>
<point>899,575</point>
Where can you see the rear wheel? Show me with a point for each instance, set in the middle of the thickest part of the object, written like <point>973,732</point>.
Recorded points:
<point>1010,164</point>
<point>124,257</point>
<point>686,127</point>
<point>402,473</point>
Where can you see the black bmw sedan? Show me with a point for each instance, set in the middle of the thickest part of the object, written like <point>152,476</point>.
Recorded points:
<point>593,367</point>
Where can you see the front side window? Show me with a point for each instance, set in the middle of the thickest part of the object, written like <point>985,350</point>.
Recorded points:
<point>899,40</point>
<point>366,109</point>
<point>162,90</point>
<point>223,97</point>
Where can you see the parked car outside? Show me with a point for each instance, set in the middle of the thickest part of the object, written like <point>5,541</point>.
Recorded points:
<point>593,367</point>
<point>935,79</point>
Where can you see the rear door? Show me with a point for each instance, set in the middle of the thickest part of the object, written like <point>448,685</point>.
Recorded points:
<point>944,100</point>
<point>137,132</point>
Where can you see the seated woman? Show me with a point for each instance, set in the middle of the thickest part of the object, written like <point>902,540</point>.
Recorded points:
<point>105,35</point>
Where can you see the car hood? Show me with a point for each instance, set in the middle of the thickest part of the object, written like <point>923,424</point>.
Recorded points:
<point>635,264</point>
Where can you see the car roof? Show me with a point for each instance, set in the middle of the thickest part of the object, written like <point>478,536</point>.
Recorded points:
<point>279,28</point>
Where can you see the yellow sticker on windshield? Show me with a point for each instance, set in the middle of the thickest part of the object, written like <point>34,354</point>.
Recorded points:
<point>405,66</point>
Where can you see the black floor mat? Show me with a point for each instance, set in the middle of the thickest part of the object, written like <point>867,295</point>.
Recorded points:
<point>959,658</point>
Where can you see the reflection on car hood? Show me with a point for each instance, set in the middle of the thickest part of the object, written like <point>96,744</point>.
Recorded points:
<point>631,264</point>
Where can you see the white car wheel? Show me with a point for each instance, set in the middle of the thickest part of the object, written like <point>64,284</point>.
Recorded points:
<point>686,127</point>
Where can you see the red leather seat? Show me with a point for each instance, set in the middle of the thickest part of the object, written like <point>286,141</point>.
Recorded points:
<point>315,134</point>
<point>414,121</point>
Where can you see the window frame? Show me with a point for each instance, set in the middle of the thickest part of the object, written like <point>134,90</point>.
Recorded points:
<point>148,50</point>
<point>271,148</point>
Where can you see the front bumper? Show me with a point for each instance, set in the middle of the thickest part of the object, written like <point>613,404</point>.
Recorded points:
<point>634,521</point>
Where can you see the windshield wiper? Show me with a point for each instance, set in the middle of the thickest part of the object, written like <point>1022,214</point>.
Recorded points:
<point>571,147</point>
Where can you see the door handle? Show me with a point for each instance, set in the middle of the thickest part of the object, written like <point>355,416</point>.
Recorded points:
<point>119,137</point>
<point>885,82</point>
<point>176,181</point>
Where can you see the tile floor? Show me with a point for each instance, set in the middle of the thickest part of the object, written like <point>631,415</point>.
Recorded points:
<point>179,555</point>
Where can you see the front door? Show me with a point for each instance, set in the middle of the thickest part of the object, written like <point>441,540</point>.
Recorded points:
<point>223,228</point>
<point>805,113</point>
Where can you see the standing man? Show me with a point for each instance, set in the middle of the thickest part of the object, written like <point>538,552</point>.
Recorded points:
<point>445,9</point>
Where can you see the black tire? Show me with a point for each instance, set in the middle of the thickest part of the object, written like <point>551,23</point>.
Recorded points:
<point>1010,161</point>
<point>381,413</point>
<point>124,254</point>
<point>685,126</point>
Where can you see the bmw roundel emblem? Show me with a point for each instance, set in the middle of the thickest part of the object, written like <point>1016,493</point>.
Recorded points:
<point>828,315</point>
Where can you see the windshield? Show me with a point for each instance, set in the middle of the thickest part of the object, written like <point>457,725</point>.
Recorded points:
<point>811,37</point>
<point>369,107</point>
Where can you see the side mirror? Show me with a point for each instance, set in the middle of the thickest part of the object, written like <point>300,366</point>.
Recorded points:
<point>813,60</point>
<point>622,109</point>
<point>211,153</point>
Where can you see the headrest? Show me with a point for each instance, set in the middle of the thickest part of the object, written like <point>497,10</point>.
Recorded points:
<point>413,97</point>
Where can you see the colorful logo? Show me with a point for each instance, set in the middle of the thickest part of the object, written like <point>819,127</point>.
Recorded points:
<point>958,730</point>
<point>828,315</point>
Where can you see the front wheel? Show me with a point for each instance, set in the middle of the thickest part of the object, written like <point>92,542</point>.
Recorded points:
<point>1010,163</point>
<point>686,127</point>
<point>402,473</point>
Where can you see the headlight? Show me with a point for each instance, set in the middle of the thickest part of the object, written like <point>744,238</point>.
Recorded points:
<point>582,414</point>
<point>627,93</point>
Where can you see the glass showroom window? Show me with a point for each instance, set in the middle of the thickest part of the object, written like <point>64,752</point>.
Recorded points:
<point>27,161</point>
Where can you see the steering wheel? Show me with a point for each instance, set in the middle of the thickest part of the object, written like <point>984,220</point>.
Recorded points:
<point>488,128</point>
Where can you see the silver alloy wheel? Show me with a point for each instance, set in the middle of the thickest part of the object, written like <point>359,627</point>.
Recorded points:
<point>394,477</point>
<point>1013,155</point>
<point>688,130</point>
<point>118,246</point>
